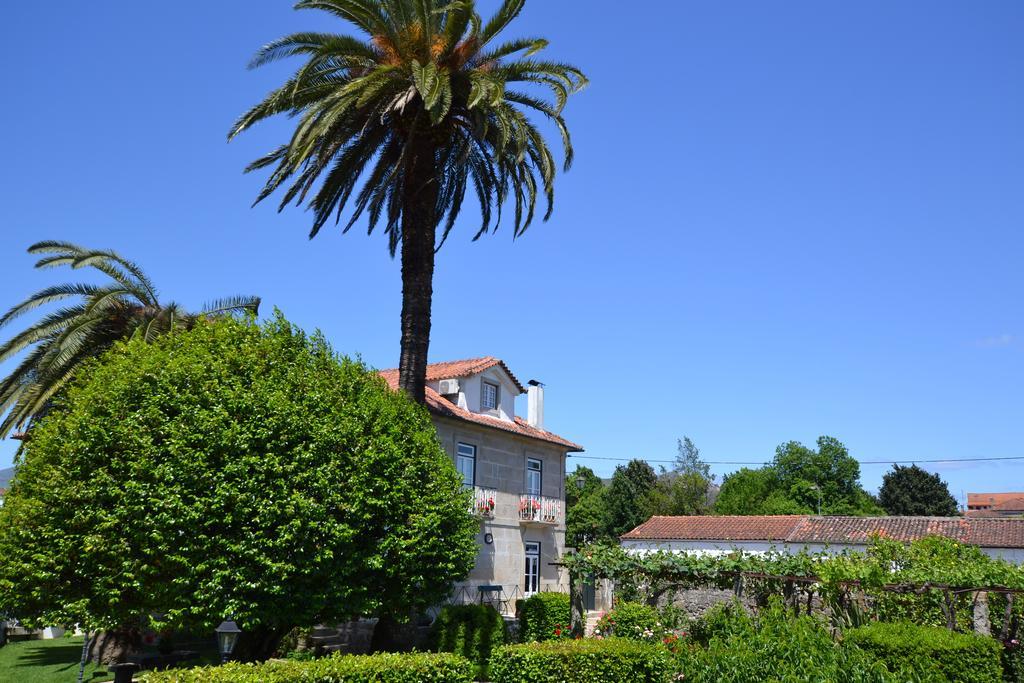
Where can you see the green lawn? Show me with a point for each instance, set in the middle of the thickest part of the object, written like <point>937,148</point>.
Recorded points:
<point>46,661</point>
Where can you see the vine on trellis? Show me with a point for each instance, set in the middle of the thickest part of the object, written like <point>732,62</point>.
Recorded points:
<point>934,580</point>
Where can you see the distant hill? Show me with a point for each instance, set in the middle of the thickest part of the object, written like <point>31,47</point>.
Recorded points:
<point>5,477</point>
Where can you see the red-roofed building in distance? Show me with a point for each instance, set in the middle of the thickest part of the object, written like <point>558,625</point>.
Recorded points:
<point>1002,538</point>
<point>516,469</point>
<point>995,504</point>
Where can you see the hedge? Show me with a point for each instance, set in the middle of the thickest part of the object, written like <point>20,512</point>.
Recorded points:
<point>611,660</point>
<point>932,652</point>
<point>469,630</point>
<point>381,668</point>
<point>544,616</point>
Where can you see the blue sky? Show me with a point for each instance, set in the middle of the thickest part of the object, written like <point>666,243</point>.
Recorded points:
<point>786,219</point>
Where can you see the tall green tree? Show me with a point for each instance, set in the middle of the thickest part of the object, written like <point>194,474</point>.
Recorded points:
<point>912,491</point>
<point>423,107</point>
<point>683,490</point>
<point>93,318</point>
<point>628,496</point>
<point>232,470</point>
<point>799,480</point>
<point>586,519</point>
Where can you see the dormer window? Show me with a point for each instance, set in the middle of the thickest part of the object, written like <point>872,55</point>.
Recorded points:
<point>489,397</point>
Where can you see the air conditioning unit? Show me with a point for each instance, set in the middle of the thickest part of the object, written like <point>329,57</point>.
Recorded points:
<point>449,387</point>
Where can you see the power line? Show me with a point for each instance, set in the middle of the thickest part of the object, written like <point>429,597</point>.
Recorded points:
<point>862,462</point>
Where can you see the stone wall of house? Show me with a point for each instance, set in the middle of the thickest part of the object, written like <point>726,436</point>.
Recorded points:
<point>501,466</point>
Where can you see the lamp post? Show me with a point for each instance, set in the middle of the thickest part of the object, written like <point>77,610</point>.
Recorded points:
<point>815,487</point>
<point>227,638</point>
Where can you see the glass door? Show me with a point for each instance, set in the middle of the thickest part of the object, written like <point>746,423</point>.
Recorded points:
<point>532,575</point>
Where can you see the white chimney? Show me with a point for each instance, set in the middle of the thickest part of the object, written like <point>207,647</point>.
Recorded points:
<point>535,404</point>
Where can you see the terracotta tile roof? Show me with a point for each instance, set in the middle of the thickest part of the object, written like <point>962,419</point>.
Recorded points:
<point>707,528</point>
<point>462,368</point>
<point>1012,505</point>
<point>985,532</point>
<point>439,405</point>
<point>990,499</point>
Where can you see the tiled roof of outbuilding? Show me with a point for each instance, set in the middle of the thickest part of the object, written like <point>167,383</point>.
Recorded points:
<point>989,499</point>
<point>985,532</point>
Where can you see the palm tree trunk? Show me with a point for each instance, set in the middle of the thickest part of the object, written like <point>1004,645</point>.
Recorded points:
<point>419,227</point>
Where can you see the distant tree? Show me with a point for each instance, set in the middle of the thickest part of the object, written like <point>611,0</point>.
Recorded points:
<point>586,508</point>
<point>426,103</point>
<point>913,491</point>
<point>800,480</point>
<point>683,490</point>
<point>231,470</point>
<point>628,496</point>
<point>688,459</point>
<point>99,315</point>
<point>745,491</point>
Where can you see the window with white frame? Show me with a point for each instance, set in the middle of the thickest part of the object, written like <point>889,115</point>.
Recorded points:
<point>489,396</point>
<point>465,463</point>
<point>534,473</point>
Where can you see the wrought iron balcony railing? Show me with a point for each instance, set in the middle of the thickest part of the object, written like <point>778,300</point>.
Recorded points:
<point>484,502</point>
<point>539,509</point>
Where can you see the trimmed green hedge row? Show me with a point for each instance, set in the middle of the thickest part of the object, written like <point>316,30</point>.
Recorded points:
<point>613,660</point>
<point>544,616</point>
<point>382,668</point>
<point>469,630</point>
<point>934,653</point>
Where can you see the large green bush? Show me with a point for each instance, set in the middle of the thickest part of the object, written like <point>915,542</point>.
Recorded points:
<point>772,646</point>
<point>934,653</point>
<point>235,469</point>
<point>612,660</point>
<point>469,630</point>
<point>544,616</point>
<point>632,620</point>
<point>382,668</point>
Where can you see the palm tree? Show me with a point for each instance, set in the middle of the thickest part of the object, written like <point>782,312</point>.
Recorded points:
<point>417,112</point>
<point>61,341</point>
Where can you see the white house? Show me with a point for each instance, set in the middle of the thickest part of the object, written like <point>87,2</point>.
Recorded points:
<point>1003,538</point>
<point>516,469</point>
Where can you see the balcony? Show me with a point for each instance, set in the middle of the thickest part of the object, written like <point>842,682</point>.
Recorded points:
<point>539,509</point>
<point>483,502</point>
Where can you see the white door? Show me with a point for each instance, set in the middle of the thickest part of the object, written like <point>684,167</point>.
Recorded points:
<point>532,575</point>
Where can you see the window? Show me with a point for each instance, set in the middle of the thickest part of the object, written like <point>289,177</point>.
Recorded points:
<point>534,472</point>
<point>465,463</point>
<point>489,396</point>
<point>531,578</point>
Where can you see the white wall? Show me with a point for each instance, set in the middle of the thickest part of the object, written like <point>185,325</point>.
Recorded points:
<point>470,389</point>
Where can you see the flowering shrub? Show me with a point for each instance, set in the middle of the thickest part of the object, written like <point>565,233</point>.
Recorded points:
<point>632,620</point>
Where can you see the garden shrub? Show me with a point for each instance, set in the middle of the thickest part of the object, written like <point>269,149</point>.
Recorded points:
<point>1012,633</point>
<point>632,620</point>
<point>544,616</point>
<point>934,653</point>
<point>469,630</point>
<point>774,646</point>
<point>609,660</point>
<point>380,668</point>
